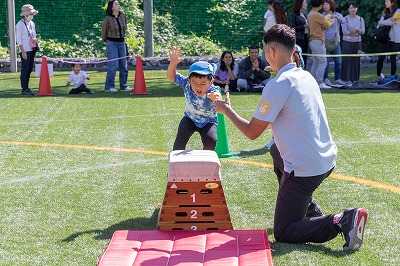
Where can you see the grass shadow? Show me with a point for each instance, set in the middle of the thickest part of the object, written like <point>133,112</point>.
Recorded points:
<point>255,152</point>
<point>139,223</point>
<point>281,249</point>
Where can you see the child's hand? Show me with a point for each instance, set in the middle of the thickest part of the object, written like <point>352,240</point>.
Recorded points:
<point>68,83</point>
<point>175,55</point>
<point>268,68</point>
<point>214,95</point>
<point>87,77</point>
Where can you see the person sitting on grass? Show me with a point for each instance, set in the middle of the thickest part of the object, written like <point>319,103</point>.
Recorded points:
<point>78,77</point>
<point>304,153</point>
<point>200,93</point>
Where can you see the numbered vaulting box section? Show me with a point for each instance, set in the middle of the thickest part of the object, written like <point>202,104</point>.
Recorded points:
<point>194,198</point>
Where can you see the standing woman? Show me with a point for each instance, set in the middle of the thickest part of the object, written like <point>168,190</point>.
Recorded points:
<point>26,40</point>
<point>333,34</point>
<point>298,21</point>
<point>278,17</point>
<point>113,33</point>
<point>352,27</point>
<point>393,45</point>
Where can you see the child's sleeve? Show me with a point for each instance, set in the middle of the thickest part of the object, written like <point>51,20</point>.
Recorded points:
<point>85,76</point>
<point>181,80</point>
<point>70,79</point>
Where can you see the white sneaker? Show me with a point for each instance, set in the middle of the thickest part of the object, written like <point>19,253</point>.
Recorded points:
<point>127,89</point>
<point>381,77</point>
<point>323,86</point>
<point>328,82</point>
<point>338,82</point>
<point>111,90</point>
<point>270,143</point>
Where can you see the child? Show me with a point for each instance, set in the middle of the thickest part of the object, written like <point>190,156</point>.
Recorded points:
<point>78,77</point>
<point>200,93</point>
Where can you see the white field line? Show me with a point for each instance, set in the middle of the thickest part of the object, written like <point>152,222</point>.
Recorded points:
<point>47,175</point>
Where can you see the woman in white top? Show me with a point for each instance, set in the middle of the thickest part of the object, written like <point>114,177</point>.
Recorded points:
<point>388,19</point>
<point>26,40</point>
<point>279,17</point>
<point>352,27</point>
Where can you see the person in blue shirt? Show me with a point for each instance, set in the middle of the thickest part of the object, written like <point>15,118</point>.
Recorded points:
<point>200,93</point>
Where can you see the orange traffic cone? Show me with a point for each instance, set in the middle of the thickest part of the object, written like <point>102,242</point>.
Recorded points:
<point>140,83</point>
<point>44,83</point>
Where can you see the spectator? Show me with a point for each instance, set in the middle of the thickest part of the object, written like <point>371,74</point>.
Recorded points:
<point>318,25</point>
<point>113,33</point>
<point>304,154</point>
<point>332,36</point>
<point>388,19</point>
<point>252,77</point>
<point>299,22</point>
<point>78,77</point>
<point>352,27</point>
<point>269,13</point>
<point>227,72</point>
<point>279,17</point>
<point>27,43</point>
<point>200,93</point>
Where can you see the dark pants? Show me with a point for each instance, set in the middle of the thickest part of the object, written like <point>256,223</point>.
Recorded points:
<point>186,129</point>
<point>387,47</point>
<point>26,69</point>
<point>232,85</point>
<point>303,43</point>
<point>81,88</point>
<point>294,194</point>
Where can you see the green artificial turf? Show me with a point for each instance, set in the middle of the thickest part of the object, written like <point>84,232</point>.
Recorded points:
<point>75,168</point>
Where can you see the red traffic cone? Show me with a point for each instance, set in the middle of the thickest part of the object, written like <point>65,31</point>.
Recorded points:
<point>140,84</point>
<point>44,83</point>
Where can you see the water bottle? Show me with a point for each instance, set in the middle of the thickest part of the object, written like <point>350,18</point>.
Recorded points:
<point>226,88</point>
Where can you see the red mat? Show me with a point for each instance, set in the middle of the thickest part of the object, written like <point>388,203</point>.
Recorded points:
<point>189,248</point>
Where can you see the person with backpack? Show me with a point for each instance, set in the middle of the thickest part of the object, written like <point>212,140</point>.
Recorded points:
<point>390,17</point>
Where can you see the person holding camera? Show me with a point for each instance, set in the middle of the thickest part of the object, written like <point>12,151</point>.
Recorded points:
<point>27,43</point>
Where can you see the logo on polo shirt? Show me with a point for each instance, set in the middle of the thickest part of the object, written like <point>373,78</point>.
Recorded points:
<point>263,107</point>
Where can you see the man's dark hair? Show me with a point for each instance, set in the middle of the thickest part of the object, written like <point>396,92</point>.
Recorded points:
<point>316,3</point>
<point>281,34</point>
<point>253,46</point>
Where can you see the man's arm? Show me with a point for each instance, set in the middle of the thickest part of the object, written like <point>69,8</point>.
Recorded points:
<point>245,70</point>
<point>251,129</point>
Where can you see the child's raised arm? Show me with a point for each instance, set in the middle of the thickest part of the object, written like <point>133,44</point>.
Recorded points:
<point>174,59</point>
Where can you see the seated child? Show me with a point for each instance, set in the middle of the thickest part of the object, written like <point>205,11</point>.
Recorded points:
<point>200,93</point>
<point>78,77</point>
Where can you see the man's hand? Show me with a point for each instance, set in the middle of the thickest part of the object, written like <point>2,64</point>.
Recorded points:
<point>221,106</point>
<point>255,66</point>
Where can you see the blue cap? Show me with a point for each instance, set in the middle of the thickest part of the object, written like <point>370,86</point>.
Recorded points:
<point>300,52</point>
<point>203,68</point>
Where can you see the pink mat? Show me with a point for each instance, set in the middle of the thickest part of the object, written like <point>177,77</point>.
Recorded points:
<point>189,248</point>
